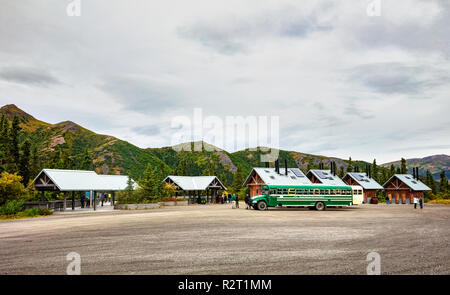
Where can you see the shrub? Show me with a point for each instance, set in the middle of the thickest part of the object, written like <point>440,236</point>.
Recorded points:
<point>12,207</point>
<point>45,212</point>
<point>32,212</point>
<point>11,188</point>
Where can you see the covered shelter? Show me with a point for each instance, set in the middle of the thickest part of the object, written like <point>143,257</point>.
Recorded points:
<point>270,176</point>
<point>369,185</point>
<point>192,186</point>
<point>403,188</point>
<point>325,177</point>
<point>73,181</point>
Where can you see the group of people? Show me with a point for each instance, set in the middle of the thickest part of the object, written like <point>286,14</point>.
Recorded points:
<point>86,201</point>
<point>416,200</point>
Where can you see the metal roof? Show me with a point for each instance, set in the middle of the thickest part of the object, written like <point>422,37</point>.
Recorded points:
<point>363,180</point>
<point>409,180</point>
<point>270,177</point>
<point>82,180</point>
<point>326,177</point>
<point>194,183</point>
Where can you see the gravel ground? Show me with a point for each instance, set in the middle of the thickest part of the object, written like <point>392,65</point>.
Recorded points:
<point>214,239</point>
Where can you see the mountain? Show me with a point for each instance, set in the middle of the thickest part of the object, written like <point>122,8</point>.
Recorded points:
<point>436,164</point>
<point>111,155</point>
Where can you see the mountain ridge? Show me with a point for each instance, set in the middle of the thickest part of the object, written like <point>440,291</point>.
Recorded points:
<point>111,155</point>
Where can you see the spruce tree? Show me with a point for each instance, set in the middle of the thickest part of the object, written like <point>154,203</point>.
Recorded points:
<point>350,165</point>
<point>34,161</point>
<point>341,172</point>
<point>4,138</point>
<point>429,181</point>
<point>403,169</point>
<point>147,180</point>
<point>238,180</point>
<point>24,164</point>
<point>375,170</point>
<point>443,184</point>
<point>14,145</point>
<point>392,170</point>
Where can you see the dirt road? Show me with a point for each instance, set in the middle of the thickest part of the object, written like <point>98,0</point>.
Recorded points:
<point>214,239</point>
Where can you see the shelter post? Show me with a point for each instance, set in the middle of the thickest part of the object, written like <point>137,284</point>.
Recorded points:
<point>65,202</point>
<point>73,200</point>
<point>95,201</point>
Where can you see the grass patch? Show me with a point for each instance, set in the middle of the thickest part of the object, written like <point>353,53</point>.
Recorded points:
<point>439,201</point>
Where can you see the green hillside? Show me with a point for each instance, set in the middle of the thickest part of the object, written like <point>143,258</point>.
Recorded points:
<point>435,164</point>
<point>74,147</point>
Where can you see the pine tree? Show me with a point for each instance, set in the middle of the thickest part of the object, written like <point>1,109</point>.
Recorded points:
<point>350,165</point>
<point>14,145</point>
<point>392,170</point>
<point>443,184</point>
<point>158,179</point>
<point>4,138</point>
<point>34,161</point>
<point>238,180</point>
<point>341,172</point>
<point>403,169</point>
<point>375,170</point>
<point>429,181</point>
<point>147,180</point>
<point>24,164</point>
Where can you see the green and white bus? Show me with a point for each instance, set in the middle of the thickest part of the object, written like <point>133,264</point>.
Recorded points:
<point>317,196</point>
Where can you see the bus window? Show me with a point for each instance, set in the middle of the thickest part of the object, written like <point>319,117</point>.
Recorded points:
<point>310,191</point>
<point>291,191</point>
<point>285,191</point>
<point>322,192</point>
<point>316,191</point>
<point>298,192</point>
<point>338,192</point>
<point>279,191</point>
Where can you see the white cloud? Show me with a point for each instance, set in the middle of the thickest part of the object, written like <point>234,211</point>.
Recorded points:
<point>343,83</point>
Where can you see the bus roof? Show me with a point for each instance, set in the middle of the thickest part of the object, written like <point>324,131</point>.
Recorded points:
<point>309,186</point>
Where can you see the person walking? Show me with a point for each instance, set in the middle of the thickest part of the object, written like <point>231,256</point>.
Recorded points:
<point>421,201</point>
<point>103,197</point>
<point>82,199</point>
<point>237,201</point>
<point>415,200</point>
<point>247,201</point>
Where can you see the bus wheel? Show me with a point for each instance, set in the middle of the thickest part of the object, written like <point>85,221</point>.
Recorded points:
<point>320,206</point>
<point>261,205</point>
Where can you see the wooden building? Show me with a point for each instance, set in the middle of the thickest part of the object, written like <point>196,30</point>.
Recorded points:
<point>369,185</point>
<point>192,187</point>
<point>402,188</point>
<point>260,176</point>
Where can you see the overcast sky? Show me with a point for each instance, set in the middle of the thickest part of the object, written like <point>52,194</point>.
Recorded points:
<point>342,82</point>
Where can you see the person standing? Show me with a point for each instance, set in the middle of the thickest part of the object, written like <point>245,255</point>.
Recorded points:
<point>387,200</point>
<point>82,199</point>
<point>415,200</point>
<point>421,201</point>
<point>247,201</point>
<point>237,201</point>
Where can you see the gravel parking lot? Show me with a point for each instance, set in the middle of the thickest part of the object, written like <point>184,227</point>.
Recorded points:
<point>215,239</point>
